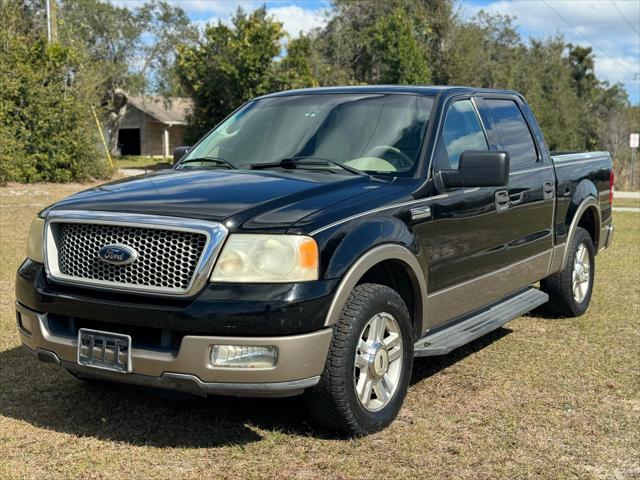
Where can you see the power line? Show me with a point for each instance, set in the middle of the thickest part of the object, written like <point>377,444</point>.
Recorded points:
<point>587,38</point>
<point>624,18</point>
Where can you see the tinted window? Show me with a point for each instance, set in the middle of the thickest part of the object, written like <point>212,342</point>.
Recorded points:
<point>515,136</point>
<point>461,131</point>
<point>371,132</point>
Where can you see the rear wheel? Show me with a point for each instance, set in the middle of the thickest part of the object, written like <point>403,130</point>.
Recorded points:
<point>570,289</point>
<point>369,363</point>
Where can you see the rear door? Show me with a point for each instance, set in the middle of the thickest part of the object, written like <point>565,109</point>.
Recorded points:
<point>529,217</point>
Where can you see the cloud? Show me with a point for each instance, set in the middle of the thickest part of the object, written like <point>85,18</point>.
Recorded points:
<point>598,24</point>
<point>296,19</point>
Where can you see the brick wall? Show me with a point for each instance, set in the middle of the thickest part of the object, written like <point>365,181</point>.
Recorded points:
<point>151,132</point>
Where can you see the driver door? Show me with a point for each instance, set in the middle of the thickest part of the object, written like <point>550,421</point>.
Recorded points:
<point>465,238</point>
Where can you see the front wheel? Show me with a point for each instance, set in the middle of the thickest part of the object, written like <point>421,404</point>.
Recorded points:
<point>369,363</point>
<point>570,289</point>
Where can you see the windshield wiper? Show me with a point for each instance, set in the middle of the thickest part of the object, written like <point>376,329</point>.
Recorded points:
<point>216,160</point>
<point>294,162</point>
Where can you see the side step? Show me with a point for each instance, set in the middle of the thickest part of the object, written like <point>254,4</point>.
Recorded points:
<point>450,338</point>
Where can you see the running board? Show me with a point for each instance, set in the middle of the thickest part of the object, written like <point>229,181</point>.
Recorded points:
<point>461,333</point>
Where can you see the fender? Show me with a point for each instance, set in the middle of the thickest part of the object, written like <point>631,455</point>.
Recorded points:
<point>583,192</point>
<point>355,238</point>
<point>368,260</point>
<point>380,239</point>
<point>560,252</point>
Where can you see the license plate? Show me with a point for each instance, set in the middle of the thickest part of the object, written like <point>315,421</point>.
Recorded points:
<point>104,350</point>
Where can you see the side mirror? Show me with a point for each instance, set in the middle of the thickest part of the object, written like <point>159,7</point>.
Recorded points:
<point>478,169</point>
<point>178,153</point>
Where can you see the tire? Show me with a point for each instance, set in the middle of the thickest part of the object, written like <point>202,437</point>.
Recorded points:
<point>334,402</point>
<point>563,300</point>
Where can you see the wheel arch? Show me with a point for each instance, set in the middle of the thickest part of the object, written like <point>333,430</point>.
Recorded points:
<point>392,265</point>
<point>586,215</point>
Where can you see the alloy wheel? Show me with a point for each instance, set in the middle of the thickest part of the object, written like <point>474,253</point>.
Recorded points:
<point>581,277</point>
<point>378,362</point>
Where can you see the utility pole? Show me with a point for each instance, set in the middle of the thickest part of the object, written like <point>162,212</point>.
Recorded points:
<point>52,21</point>
<point>48,22</point>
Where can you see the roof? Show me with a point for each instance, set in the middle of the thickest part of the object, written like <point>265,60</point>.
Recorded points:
<point>170,111</point>
<point>426,90</point>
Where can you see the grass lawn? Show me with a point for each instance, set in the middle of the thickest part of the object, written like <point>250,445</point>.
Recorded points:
<point>544,398</point>
<point>626,202</point>
<point>151,163</point>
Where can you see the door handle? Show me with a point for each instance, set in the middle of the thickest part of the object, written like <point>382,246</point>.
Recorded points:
<point>547,190</point>
<point>502,200</point>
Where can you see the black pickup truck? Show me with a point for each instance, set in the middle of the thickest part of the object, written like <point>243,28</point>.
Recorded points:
<point>317,241</point>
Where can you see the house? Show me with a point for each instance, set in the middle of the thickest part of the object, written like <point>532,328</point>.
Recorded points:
<point>153,125</point>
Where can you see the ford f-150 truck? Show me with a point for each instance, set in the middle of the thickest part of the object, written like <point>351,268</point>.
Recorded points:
<point>315,242</point>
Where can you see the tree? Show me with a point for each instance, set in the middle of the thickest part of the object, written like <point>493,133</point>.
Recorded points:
<point>232,64</point>
<point>582,69</point>
<point>131,51</point>
<point>485,52</point>
<point>393,54</point>
<point>545,80</point>
<point>352,48</point>
<point>46,129</point>
<point>165,28</point>
<point>294,70</point>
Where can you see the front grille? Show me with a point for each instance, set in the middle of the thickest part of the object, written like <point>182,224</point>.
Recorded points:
<point>167,259</point>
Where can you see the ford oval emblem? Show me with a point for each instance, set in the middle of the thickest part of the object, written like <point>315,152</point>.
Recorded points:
<point>117,254</point>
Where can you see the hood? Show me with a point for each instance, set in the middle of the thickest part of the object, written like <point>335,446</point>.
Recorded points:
<point>251,200</point>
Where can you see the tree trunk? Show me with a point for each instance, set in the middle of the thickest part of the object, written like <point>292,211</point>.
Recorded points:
<point>117,111</point>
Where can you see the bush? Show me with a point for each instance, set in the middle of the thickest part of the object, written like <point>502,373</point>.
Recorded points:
<point>47,132</point>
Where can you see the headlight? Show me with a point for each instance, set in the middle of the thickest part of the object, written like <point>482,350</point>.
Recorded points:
<point>252,258</point>
<point>35,245</point>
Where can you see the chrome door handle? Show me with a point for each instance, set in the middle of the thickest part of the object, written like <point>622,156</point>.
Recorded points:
<point>547,190</point>
<point>502,200</point>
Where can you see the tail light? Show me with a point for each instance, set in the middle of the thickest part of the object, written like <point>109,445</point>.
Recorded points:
<point>612,179</point>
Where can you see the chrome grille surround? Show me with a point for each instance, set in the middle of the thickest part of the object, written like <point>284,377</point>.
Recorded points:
<point>176,254</point>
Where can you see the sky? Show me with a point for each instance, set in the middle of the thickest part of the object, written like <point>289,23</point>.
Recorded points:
<point>610,27</point>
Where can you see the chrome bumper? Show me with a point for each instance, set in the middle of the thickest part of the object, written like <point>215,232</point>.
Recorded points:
<point>300,362</point>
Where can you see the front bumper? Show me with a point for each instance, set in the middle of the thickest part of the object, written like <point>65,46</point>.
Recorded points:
<point>236,310</point>
<point>301,360</point>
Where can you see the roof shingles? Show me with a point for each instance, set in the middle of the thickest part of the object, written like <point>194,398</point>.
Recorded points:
<point>170,111</point>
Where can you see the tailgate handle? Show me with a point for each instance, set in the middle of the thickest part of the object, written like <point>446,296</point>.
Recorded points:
<point>547,190</point>
<point>502,200</point>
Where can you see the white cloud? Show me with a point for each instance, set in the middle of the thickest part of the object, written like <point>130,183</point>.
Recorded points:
<point>296,19</point>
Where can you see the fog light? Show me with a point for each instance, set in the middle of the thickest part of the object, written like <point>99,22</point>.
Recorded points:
<point>244,356</point>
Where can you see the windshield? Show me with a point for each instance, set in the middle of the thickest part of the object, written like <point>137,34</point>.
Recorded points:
<point>373,133</point>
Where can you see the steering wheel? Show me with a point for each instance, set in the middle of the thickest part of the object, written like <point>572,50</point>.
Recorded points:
<point>403,162</point>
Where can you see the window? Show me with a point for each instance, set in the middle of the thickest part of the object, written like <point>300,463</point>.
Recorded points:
<point>461,132</point>
<point>371,132</point>
<point>514,133</point>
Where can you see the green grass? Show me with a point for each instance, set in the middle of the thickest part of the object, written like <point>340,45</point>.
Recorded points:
<point>542,398</point>
<point>152,163</point>
<point>626,202</point>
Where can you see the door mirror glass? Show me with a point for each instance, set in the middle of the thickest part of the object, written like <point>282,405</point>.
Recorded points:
<point>478,169</point>
<point>179,152</point>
